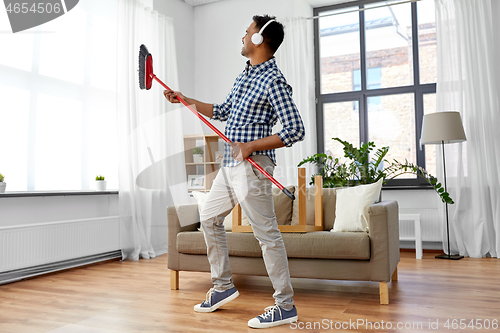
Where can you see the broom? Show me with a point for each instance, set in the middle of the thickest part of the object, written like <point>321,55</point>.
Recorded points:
<point>146,77</point>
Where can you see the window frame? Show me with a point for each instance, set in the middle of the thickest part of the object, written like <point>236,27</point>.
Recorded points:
<point>362,95</point>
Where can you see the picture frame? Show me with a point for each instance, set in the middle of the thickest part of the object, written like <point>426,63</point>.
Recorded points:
<point>196,182</point>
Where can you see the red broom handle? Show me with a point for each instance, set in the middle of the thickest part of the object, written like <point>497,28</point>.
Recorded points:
<point>219,133</point>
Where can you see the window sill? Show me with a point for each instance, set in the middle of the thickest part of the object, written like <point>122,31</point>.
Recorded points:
<point>55,193</point>
<point>115,192</point>
<point>406,187</point>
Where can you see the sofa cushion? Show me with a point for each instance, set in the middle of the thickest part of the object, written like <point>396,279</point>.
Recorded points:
<point>315,245</point>
<point>328,245</point>
<point>329,204</point>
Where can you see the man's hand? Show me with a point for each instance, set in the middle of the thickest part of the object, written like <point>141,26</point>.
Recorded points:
<point>171,96</point>
<point>203,108</point>
<point>241,151</point>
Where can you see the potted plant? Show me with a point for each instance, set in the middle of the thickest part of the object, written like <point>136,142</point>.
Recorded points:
<point>2,184</point>
<point>198,155</point>
<point>362,170</point>
<point>100,183</point>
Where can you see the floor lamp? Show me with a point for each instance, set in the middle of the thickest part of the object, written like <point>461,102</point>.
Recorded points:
<point>441,128</point>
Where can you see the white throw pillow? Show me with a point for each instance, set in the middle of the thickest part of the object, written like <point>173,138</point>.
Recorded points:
<point>351,212</point>
<point>201,198</point>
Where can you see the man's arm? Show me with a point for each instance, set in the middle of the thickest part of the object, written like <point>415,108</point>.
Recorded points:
<point>280,97</point>
<point>203,108</point>
<point>243,150</point>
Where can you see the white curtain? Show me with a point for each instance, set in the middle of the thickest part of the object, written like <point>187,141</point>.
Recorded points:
<point>151,162</point>
<point>469,82</point>
<point>295,58</point>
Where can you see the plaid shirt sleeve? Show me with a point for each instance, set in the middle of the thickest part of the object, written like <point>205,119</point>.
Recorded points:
<point>221,111</point>
<point>280,97</point>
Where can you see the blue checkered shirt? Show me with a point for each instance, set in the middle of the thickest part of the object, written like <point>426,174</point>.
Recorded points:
<point>259,98</point>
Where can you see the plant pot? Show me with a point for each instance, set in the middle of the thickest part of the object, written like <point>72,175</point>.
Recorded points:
<point>198,158</point>
<point>2,187</point>
<point>100,185</point>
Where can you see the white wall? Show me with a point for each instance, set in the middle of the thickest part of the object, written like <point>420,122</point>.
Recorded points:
<point>184,25</point>
<point>183,15</point>
<point>413,199</point>
<point>18,211</point>
<point>219,28</point>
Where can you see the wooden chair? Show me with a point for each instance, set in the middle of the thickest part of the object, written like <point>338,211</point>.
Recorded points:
<point>300,195</point>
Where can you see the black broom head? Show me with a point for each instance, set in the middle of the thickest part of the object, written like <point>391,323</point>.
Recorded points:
<point>145,68</point>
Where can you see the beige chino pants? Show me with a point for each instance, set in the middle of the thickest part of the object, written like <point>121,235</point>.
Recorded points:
<point>245,185</point>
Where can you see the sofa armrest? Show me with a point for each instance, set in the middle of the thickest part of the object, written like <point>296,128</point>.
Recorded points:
<point>180,218</point>
<point>383,223</point>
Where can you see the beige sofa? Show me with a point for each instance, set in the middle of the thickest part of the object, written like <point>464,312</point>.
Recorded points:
<point>355,256</point>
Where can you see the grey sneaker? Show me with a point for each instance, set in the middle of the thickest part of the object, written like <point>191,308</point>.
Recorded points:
<point>274,316</point>
<point>216,299</point>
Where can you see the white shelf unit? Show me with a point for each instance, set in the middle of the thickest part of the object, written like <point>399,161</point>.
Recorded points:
<point>209,167</point>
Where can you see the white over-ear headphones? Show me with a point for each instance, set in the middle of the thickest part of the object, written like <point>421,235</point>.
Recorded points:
<point>257,37</point>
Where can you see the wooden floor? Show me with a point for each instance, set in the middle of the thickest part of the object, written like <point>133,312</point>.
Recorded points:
<point>136,297</point>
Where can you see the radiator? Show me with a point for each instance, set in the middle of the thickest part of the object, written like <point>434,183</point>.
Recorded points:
<point>431,224</point>
<point>40,245</point>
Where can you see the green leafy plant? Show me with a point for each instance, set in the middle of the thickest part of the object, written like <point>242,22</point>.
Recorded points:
<point>197,150</point>
<point>1,178</point>
<point>396,169</point>
<point>363,170</point>
<point>99,177</point>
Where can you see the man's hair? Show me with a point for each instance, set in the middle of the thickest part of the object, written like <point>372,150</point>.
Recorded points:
<point>273,34</point>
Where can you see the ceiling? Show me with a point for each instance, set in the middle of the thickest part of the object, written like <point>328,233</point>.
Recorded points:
<point>313,3</point>
<point>320,3</point>
<point>198,2</point>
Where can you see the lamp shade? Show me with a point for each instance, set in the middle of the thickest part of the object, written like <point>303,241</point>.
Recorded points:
<point>442,127</point>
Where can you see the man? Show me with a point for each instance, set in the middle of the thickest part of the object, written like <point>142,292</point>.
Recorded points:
<point>259,98</point>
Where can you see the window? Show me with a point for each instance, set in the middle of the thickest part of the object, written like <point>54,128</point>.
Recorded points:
<point>374,82</point>
<point>58,93</point>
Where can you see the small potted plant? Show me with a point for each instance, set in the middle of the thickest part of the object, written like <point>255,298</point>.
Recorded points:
<point>2,184</point>
<point>198,155</point>
<point>100,183</point>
